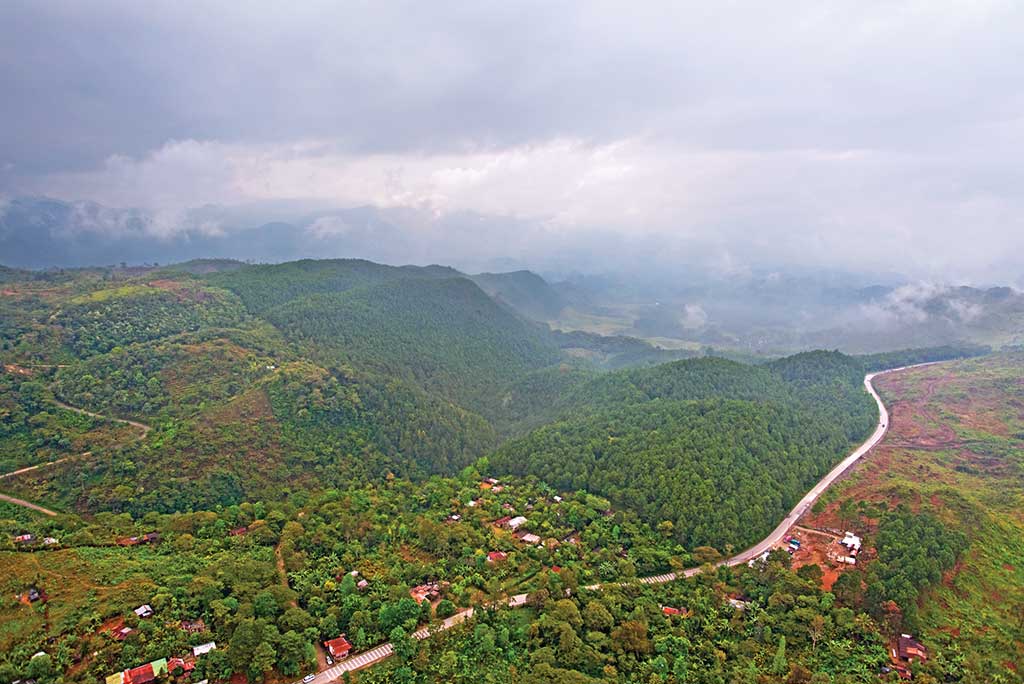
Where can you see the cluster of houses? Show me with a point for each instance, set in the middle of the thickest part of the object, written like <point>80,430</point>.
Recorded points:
<point>852,544</point>
<point>150,671</point>
<point>361,582</point>
<point>120,633</point>
<point>30,540</point>
<point>428,592</point>
<point>493,484</point>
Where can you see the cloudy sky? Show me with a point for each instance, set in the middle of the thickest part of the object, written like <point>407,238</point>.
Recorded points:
<point>832,134</point>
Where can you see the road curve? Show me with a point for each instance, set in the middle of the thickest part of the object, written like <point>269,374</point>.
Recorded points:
<point>384,651</point>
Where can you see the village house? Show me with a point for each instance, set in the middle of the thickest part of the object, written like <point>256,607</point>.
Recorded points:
<point>527,538</point>
<point>496,556</point>
<point>338,648</point>
<point>193,626</point>
<point>148,538</point>
<point>238,531</point>
<point>909,649</point>
<point>202,649</point>
<point>122,634</point>
<point>669,611</point>
<point>515,523</point>
<point>362,585</point>
<point>186,664</point>
<point>739,604</point>
<point>426,592</point>
<point>144,611</point>
<point>23,539</point>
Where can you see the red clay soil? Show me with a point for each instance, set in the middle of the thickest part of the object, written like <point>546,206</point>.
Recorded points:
<point>814,550</point>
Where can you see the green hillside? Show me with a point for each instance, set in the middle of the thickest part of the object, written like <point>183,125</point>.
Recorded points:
<point>445,335</point>
<point>687,442</point>
<point>525,292</point>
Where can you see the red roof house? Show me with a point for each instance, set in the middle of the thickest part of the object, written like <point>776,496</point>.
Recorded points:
<point>496,556</point>
<point>186,664</point>
<point>669,610</point>
<point>338,648</point>
<point>140,674</point>
<point>911,649</point>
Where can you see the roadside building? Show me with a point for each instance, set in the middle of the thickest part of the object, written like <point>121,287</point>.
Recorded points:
<point>338,647</point>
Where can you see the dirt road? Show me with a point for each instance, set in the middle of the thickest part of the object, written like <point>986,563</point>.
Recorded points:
<point>141,427</point>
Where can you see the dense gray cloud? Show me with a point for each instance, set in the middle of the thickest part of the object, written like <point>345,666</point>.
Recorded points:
<point>845,134</point>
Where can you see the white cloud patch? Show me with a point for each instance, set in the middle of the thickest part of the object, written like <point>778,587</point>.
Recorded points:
<point>832,208</point>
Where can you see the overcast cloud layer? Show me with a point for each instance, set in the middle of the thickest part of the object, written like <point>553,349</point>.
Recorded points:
<point>841,134</point>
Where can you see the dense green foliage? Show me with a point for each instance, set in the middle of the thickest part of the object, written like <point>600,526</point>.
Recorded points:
<point>913,552</point>
<point>523,291</point>
<point>789,631</point>
<point>104,319</point>
<point>907,357</point>
<point>361,405</point>
<point>718,449</point>
<point>443,334</point>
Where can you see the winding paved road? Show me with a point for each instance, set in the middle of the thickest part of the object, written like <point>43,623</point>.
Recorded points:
<point>375,655</point>
<point>382,652</point>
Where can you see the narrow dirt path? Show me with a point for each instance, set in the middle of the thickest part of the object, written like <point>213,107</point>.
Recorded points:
<point>26,504</point>
<point>141,427</point>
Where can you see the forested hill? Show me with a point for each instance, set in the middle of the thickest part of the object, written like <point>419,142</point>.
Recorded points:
<point>719,450</point>
<point>261,380</point>
<point>428,326</point>
<point>524,291</point>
